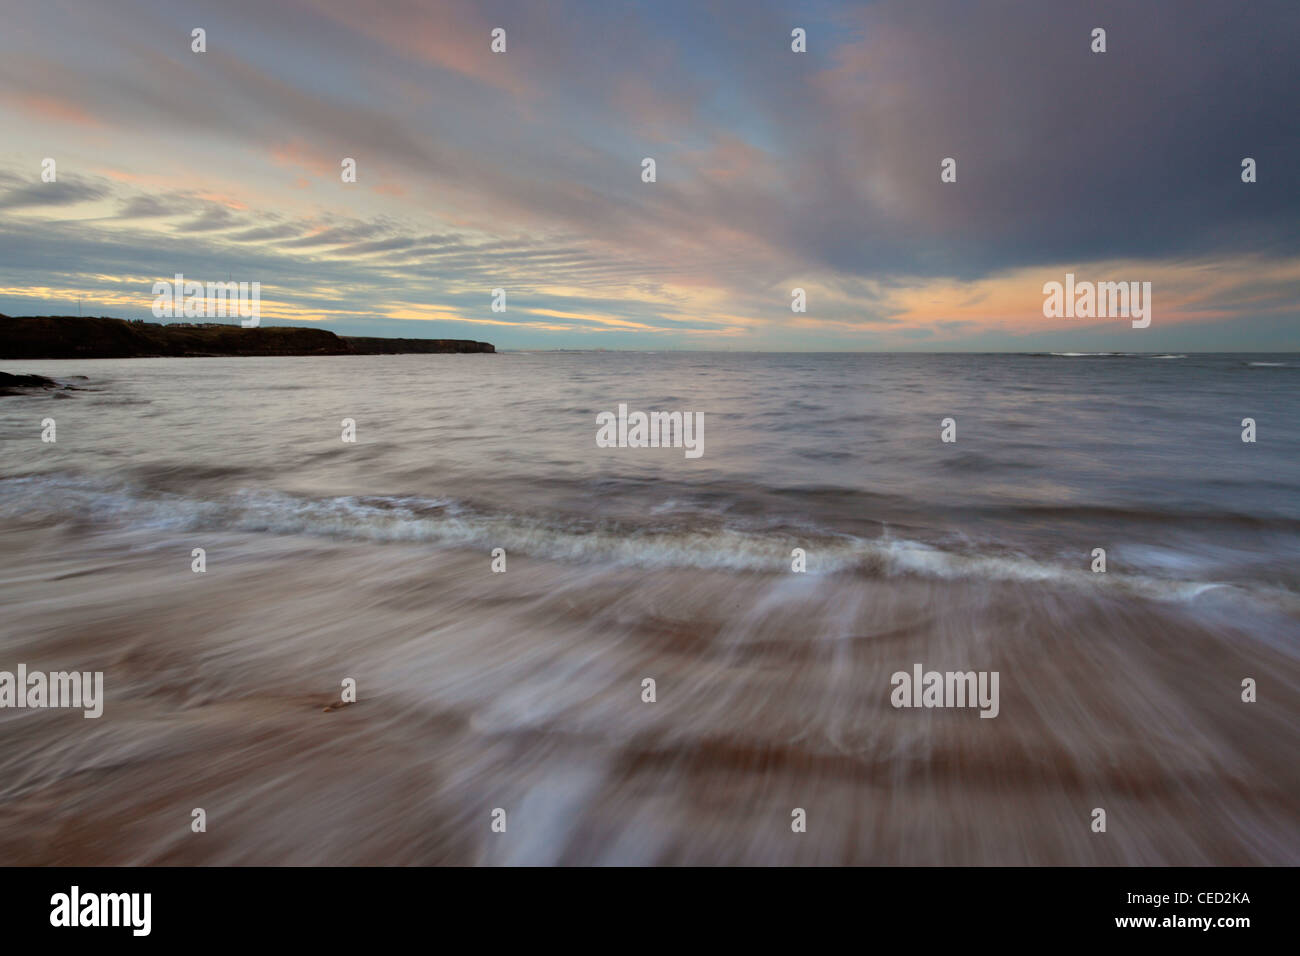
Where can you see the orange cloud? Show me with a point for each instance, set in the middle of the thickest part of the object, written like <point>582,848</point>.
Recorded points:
<point>49,107</point>
<point>443,33</point>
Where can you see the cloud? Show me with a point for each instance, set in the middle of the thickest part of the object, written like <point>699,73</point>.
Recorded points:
<point>65,191</point>
<point>522,170</point>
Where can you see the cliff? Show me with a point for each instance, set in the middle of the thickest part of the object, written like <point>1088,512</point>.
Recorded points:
<point>70,336</point>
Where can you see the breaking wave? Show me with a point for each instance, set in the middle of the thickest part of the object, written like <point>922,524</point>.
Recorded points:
<point>654,544</point>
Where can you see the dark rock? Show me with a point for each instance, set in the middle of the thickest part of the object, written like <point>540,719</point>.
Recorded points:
<point>26,381</point>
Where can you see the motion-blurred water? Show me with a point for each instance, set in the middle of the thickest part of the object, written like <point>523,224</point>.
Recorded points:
<point>522,690</point>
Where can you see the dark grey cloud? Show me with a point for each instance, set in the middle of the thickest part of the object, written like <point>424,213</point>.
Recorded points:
<point>214,217</point>
<point>263,233</point>
<point>64,191</point>
<point>147,207</point>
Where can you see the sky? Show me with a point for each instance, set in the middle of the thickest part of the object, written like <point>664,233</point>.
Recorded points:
<point>775,169</point>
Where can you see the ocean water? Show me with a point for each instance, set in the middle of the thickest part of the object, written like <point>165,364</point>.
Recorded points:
<point>522,690</point>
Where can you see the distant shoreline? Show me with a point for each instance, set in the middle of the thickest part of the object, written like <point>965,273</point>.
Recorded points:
<point>76,337</point>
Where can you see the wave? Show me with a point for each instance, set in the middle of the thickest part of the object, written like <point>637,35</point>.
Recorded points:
<point>447,522</point>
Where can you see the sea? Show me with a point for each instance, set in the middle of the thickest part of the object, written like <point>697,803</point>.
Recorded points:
<point>563,653</point>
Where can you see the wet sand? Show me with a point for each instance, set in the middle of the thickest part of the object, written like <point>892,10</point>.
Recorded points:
<point>523,691</point>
